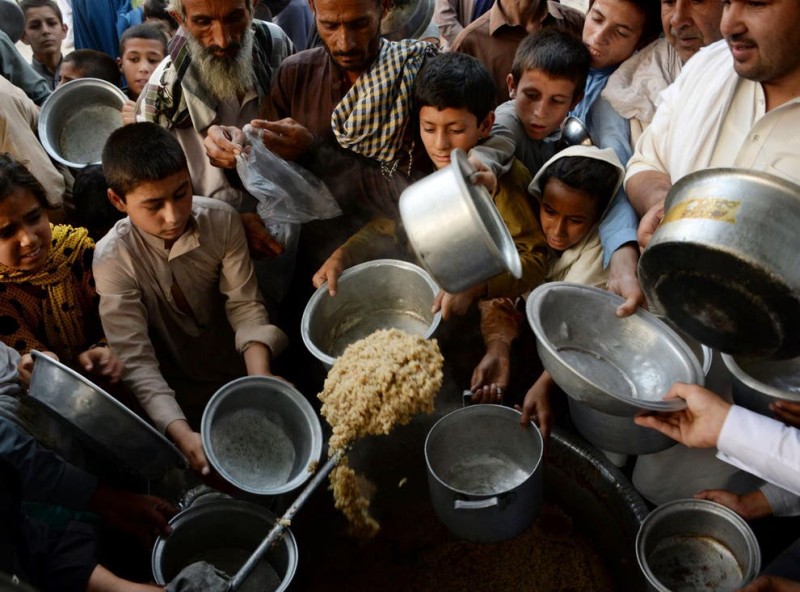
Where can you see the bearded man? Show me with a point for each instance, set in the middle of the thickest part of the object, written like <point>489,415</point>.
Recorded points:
<point>218,72</point>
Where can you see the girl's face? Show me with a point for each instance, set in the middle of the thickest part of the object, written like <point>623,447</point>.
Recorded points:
<point>566,214</point>
<point>611,31</point>
<point>24,231</point>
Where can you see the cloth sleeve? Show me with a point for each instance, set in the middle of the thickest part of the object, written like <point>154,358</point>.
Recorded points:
<point>19,72</point>
<point>782,502</point>
<point>500,320</point>
<point>762,446</point>
<point>378,238</point>
<point>445,15</point>
<point>498,151</point>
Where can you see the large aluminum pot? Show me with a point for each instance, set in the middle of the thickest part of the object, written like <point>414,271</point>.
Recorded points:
<point>760,382</point>
<point>261,435</point>
<point>106,425</point>
<point>484,472</point>
<point>723,264</point>
<point>696,545</point>
<point>407,19</point>
<point>381,294</point>
<point>225,533</point>
<point>618,366</point>
<point>77,119</point>
<point>455,229</point>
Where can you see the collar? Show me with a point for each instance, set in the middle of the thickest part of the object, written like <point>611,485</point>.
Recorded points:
<point>188,241</point>
<point>498,17</point>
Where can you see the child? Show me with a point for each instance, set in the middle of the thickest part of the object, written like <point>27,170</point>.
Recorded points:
<point>141,49</point>
<point>156,13</point>
<point>165,274</point>
<point>48,301</point>
<point>454,94</point>
<point>44,32</point>
<point>88,63</point>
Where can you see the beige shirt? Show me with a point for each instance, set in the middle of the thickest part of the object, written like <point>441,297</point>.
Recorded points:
<point>19,119</point>
<point>147,328</point>
<point>712,117</point>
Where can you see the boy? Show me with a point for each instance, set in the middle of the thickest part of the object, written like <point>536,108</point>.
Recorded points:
<point>44,32</point>
<point>141,49</point>
<point>88,63</point>
<point>454,94</point>
<point>164,275</point>
<point>156,13</point>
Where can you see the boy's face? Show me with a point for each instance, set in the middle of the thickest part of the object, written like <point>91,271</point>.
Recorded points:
<point>160,208</point>
<point>44,31</point>
<point>138,61</point>
<point>541,101</point>
<point>566,214</point>
<point>611,31</point>
<point>69,72</point>
<point>442,131</point>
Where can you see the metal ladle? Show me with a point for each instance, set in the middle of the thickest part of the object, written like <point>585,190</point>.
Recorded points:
<point>575,133</point>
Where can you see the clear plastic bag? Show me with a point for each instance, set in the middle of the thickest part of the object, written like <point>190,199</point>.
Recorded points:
<point>287,193</point>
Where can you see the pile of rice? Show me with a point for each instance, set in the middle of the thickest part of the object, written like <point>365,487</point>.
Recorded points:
<point>378,382</point>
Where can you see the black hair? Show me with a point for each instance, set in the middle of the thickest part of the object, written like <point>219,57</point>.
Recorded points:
<point>652,27</point>
<point>26,5</point>
<point>157,9</point>
<point>139,153</point>
<point>591,176</point>
<point>15,175</point>
<point>92,208</point>
<point>94,64</point>
<point>558,54</point>
<point>455,81</point>
<point>143,31</point>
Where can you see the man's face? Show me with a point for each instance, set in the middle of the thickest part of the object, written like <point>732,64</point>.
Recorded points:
<point>763,38</point>
<point>160,208</point>
<point>350,30</point>
<point>541,101</point>
<point>217,25</point>
<point>44,31</point>
<point>691,24</point>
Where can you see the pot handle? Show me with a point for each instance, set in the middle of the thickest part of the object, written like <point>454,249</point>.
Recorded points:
<point>466,398</point>
<point>481,504</point>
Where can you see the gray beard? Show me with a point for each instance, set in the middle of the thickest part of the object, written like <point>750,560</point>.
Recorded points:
<point>223,77</point>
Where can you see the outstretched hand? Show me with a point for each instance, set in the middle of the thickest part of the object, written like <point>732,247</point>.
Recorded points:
<point>623,280</point>
<point>145,516</point>
<point>102,361</point>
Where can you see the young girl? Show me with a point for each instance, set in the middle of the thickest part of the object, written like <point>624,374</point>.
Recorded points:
<point>47,296</point>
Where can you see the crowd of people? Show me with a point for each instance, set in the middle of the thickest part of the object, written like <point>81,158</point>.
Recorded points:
<point>155,274</point>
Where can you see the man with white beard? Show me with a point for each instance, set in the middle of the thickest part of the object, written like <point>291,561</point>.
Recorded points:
<point>218,72</point>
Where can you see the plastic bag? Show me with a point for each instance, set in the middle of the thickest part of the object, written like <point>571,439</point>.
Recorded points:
<point>287,193</point>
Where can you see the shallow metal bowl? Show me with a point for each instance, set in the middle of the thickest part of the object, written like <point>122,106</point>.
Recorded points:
<point>77,119</point>
<point>759,382</point>
<point>616,365</point>
<point>224,530</point>
<point>407,19</point>
<point>455,228</point>
<point>692,544</point>
<point>380,294</point>
<point>111,429</point>
<point>261,435</point>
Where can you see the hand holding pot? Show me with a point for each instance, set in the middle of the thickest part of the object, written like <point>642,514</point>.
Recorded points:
<point>772,584</point>
<point>331,270</point>
<point>458,304</point>
<point>537,406</point>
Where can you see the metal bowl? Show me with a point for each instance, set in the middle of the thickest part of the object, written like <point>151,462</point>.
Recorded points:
<point>77,119</point>
<point>261,435</point>
<point>105,424</point>
<point>380,294</point>
<point>455,229</point>
<point>696,544</point>
<point>575,133</point>
<point>615,365</point>
<point>225,533</point>
<point>723,264</point>
<point>759,382</point>
<point>12,20</point>
<point>407,19</point>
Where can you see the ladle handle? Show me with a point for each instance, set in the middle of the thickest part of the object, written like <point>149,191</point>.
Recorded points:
<point>277,530</point>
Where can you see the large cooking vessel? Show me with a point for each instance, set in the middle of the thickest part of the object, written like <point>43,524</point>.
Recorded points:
<point>225,533</point>
<point>106,425</point>
<point>759,382</point>
<point>455,229</point>
<point>723,264</point>
<point>484,472</point>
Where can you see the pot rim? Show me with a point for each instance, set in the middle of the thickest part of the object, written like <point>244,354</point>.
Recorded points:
<point>322,292</point>
<point>760,387</point>
<point>484,409</point>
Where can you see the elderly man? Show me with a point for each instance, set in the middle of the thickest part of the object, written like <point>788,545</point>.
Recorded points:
<point>634,88</point>
<point>493,38</point>
<point>218,71</point>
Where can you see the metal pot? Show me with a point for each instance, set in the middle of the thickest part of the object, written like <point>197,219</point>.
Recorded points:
<point>757,383</point>
<point>696,544</point>
<point>407,19</point>
<point>723,263</point>
<point>575,133</point>
<point>106,425</point>
<point>225,533</point>
<point>484,472</point>
<point>77,118</point>
<point>455,229</point>
<point>381,294</point>
<point>261,435</point>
